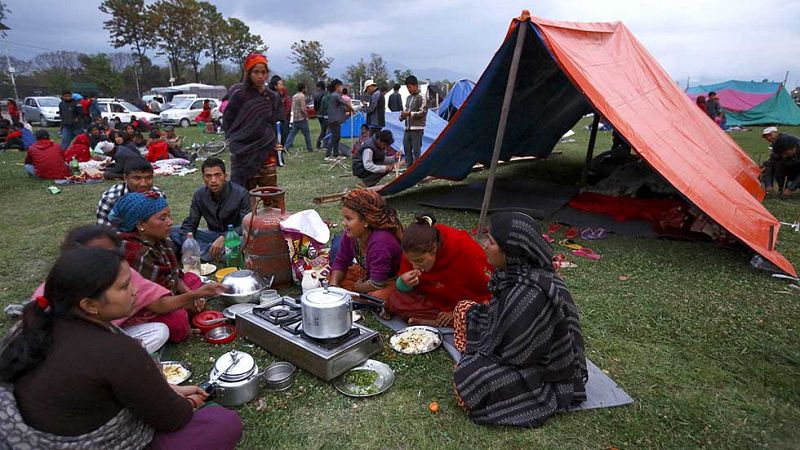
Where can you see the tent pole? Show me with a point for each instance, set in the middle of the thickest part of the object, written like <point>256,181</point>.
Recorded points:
<point>590,150</point>
<point>501,127</point>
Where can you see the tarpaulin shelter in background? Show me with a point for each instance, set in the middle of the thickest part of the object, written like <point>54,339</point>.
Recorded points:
<point>568,69</point>
<point>455,98</point>
<point>433,126</point>
<point>752,102</point>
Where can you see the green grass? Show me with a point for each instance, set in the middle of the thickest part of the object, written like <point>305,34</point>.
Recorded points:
<point>708,347</point>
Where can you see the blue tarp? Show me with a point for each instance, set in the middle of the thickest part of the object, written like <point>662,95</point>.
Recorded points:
<point>763,87</point>
<point>455,98</point>
<point>433,126</point>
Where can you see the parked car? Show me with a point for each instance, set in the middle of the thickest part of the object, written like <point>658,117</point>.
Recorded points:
<point>43,110</point>
<point>184,112</point>
<point>121,111</point>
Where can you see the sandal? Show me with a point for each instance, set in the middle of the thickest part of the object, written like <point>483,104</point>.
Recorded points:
<point>572,233</point>
<point>587,253</point>
<point>554,227</point>
<point>570,244</point>
<point>548,238</point>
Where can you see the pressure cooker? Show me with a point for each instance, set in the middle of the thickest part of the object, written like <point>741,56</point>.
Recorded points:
<point>327,311</point>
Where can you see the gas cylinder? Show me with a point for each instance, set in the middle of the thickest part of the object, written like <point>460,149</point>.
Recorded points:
<point>264,248</point>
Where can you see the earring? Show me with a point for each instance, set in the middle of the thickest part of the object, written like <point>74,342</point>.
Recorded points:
<point>366,225</point>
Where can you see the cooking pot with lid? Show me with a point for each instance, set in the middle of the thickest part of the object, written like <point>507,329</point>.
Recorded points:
<point>327,311</point>
<point>234,380</point>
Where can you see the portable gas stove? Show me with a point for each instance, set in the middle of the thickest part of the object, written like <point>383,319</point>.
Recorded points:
<point>278,327</point>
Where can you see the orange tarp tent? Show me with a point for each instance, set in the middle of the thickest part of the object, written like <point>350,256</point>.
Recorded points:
<point>612,73</point>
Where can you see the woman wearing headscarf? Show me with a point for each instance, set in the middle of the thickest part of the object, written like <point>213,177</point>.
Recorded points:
<point>522,354</point>
<point>440,267</point>
<point>144,223</point>
<point>249,124</point>
<point>371,238</point>
<point>69,378</point>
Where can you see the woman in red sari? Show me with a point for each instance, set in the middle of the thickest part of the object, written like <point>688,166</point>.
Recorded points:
<point>440,267</point>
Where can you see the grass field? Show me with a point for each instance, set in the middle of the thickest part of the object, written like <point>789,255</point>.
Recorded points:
<point>708,347</point>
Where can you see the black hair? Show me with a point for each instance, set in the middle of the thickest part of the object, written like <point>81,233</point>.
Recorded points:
<point>396,87</point>
<point>320,84</point>
<point>78,237</point>
<point>344,91</point>
<point>301,87</point>
<point>334,83</point>
<point>273,82</point>
<point>77,274</point>
<point>412,80</point>
<point>212,162</point>
<point>42,134</point>
<point>385,136</point>
<point>114,133</point>
<point>138,165</point>
<point>364,125</point>
<point>66,92</point>
<point>421,236</point>
<point>154,134</point>
<point>712,93</point>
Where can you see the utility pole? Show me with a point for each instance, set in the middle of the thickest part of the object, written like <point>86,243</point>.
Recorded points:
<point>11,71</point>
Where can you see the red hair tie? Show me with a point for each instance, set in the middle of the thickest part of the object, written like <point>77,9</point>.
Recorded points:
<point>42,302</point>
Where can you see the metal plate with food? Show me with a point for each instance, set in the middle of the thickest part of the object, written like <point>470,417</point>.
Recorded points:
<point>416,340</point>
<point>176,372</point>
<point>207,269</point>
<point>237,308</point>
<point>370,378</point>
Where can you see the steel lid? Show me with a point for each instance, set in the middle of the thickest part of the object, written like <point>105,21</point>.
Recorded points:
<point>242,370</point>
<point>326,297</point>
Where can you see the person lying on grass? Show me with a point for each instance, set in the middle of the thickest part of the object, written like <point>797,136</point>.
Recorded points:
<point>440,267</point>
<point>152,319</point>
<point>69,378</point>
<point>371,238</point>
<point>144,224</point>
<point>522,355</point>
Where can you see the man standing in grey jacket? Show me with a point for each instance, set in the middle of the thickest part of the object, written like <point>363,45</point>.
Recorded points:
<point>376,111</point>
<point>413,115</point>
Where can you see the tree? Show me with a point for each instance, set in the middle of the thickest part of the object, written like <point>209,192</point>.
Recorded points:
<point>168,15</point>
<point>4,11</point>
<point>239,42</point>
<point>400,76</point>
<point>131,24</point>
<point>66,61</point>
<point>377,70</point>
<point>310,59</point>
<point>357,72</point>
<point>121,60</point>
<point>97,69</point>
<point>216,31</point>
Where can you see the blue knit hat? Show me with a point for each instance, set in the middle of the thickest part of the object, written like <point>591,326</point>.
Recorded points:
<point>136,207</point>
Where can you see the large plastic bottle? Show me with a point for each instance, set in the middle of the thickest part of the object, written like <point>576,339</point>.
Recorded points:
<point>75,167</point>
<point>190,255</point>
<point>233,245</point>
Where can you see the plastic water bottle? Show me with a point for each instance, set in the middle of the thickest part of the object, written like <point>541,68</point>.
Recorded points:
<point>75,167</point>
<point>309,281</point>
<point>232,248</point>
<point>190,255</point>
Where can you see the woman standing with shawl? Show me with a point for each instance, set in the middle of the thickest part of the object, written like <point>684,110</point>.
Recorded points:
<point>522,354</point>
<point>371,237</point>
<point>249,123</point>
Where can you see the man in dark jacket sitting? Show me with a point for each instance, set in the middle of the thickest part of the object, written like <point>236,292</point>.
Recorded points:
<point>370,162</point>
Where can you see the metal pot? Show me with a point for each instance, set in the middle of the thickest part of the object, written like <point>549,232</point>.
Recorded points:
<point>234,380</point>
<point>327,311</point>
<point>243,286</point>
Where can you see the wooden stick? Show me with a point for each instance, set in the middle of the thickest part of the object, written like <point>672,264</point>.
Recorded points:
<point>522,28</point>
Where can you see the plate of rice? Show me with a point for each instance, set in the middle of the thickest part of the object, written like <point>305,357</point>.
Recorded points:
<point>175,372</point>
<point>416,340</point>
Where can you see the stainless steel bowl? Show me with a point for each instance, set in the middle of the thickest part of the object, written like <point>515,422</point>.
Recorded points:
<point>243,286</point>
<point>279,376</point>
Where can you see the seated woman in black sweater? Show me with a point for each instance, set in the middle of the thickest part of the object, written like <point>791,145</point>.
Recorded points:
<point>69,378</point>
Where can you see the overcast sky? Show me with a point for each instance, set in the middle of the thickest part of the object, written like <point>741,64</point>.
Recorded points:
<point>702,39</point>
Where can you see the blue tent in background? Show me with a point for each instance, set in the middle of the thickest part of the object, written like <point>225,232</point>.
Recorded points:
<point>351,127</point>
<point>752,103</point>
<point>433,126</point>
<point>455,98</point>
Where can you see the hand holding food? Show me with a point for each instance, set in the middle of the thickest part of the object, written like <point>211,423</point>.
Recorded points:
<point>411,278</point>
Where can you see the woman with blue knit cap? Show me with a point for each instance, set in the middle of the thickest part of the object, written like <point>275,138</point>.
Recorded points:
<point>144,223</point>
